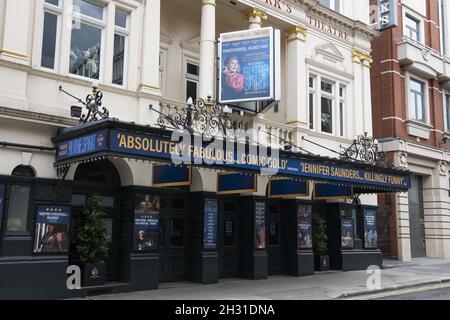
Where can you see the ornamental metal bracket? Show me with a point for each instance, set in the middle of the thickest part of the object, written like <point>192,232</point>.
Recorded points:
<point>93,102</point>
<point>364,149</point>
<point>205,117</point>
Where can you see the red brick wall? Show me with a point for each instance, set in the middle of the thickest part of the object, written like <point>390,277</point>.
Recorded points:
<point>388,82</point>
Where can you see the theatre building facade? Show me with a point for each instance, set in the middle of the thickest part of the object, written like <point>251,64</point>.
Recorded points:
<point>179,205</point>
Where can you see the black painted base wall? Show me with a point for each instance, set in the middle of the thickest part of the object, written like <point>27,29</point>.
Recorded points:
<point>35,278</point>
<point>203,265</point>
<point>361,259</point>
<point>253,263</point>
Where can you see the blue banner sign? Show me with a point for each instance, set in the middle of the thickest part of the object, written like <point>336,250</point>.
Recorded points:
<point>280,188</point>
<point>324,191</point>
<point>347,231</point>
<point>146,145</point>
<point>304,226</point>
<point>233,183</point>
<point>81,146</point>
<point>247,65</point>
<point>370,229</point>
<point>146,222</point>
<point>52,229</point>
<point>2,202</point>
<point>260,225</point>
<point>171,176</point>
<point>210,225</point>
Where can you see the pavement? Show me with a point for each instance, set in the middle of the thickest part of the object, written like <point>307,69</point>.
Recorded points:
<point>395,275</point>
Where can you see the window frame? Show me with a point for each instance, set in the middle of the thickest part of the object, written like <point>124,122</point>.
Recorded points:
<point>162,70</point>
<point>99,24</point>
<point>409,14</point>
<point>124,32</point>
<point>336,82</point>
<point>25,182</point>
<point>58,12</point>
<point>331,96</point>
<point>446,105</point>
<point>190,77</point>
<point>425,99</point>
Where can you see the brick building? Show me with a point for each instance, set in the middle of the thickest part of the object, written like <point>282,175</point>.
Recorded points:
<point>411,99</point>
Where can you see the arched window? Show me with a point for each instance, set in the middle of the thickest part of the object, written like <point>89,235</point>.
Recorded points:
<point>23,171</point>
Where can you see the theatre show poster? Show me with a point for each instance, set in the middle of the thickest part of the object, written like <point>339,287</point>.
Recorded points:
<point>304,228</point>
<point>146,222</point>
<point>260,225</point>
<point>347,230</point>
<point>52,229</point>
<point>247,65</point>
<point>370,229</point>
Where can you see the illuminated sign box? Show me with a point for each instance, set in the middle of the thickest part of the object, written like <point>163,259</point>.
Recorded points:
<point>249,66</point>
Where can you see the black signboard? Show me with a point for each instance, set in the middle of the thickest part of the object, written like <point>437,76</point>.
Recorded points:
<point>52,229</point>
<point>146,222</point>
<point>304,228</point>
<point>370,229</point>
<point>260,225</point>
<point>2,202</point>
<point>347,231</point>
<point>210,224</point>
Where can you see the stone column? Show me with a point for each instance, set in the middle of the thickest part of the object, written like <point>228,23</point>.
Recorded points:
<point>207,49</point>
<point>403,233</point>
<point>255,17</point>
<point>296,78</point>
<point>362,112</point>
<point>436,212</point>
<point>150,48</point>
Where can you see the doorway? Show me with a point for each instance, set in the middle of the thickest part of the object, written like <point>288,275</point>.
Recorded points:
<point>228,238</point>
<point>102,178</point>
<point>173,238</point>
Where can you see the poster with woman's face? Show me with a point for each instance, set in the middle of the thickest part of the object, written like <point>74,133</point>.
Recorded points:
<point>146,222</point>
<point>247,65</point>
<point>347,230</point>
<point>52,229</point>
<point>304,228</point>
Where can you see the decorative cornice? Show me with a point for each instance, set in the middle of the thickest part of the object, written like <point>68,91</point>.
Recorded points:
<point>355,26</point>
<point>31,115</point>
<point>362,57</point>
<point>255,12</point>
<point>298,30</point>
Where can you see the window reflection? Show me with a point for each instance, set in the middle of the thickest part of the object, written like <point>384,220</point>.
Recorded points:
<point>88,9</point>
<point>85,51</point>
<point>18,208</point>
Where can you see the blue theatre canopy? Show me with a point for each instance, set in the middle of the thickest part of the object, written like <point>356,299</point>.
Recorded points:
<point>113,138</point>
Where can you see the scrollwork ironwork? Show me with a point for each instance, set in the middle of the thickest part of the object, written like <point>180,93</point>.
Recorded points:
<point>205,117</point>
<point>365,149</point>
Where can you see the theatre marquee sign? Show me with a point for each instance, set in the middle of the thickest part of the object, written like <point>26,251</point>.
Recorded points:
<point>133,144</point>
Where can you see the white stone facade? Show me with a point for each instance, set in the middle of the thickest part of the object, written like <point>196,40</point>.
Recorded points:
<point>162,36</point>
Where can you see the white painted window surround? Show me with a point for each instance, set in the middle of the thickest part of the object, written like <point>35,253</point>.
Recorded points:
<point>324,93</point>
<point>413,25</point>
<point>417,97</point>
<point>70,18</point>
